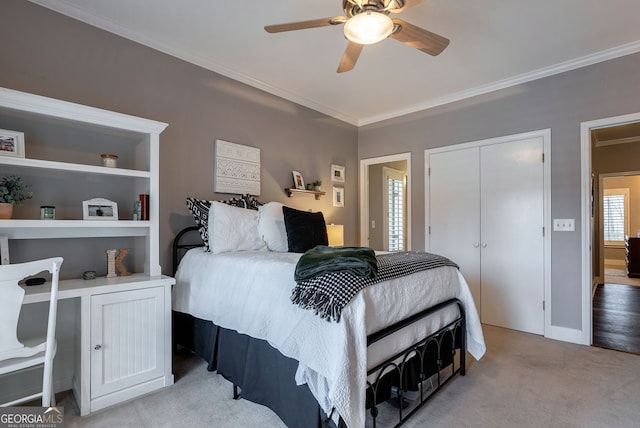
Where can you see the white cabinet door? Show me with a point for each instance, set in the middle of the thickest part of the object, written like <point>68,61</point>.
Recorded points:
<point>454,204</point>
<point>512,243</point>
<point>127,339</point>
<point>486,213</point>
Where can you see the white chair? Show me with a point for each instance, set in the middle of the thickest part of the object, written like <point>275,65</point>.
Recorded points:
<point>15,355</point>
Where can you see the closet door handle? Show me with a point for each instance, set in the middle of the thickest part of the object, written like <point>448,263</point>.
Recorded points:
<point>484,245</point>
<point>476,244</point>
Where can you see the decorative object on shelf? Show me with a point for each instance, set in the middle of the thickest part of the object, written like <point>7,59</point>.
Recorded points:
<point>122,271</point>
<point>89,275</point>
<point>109,160</point>
<point>337,173</point>
<point>335,234</point>
<point>316,185</point>
<point>137,210</point>
<point>237,168</point>
<point>12,192</point>
<point>99,209</point>
<point>338,196</point>
<point>111,263</point>
<point>298,181</point>
<point>144,206</point>
<point>11,143</point>
<point>4,250</point>
<point>47,212</point>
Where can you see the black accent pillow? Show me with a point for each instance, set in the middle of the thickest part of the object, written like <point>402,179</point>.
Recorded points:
<point>305,229</point>
<point>200,210</point>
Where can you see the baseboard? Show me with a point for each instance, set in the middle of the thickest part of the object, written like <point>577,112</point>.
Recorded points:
<point>565,334</point>
<point>615,262</point>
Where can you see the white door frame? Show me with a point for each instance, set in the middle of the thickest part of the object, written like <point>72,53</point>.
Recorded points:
<point>549,331</point>
<point>585,180</point>
<point>364,194</point>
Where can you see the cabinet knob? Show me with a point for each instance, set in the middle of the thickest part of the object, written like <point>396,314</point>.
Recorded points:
<point>476,244</point>
<point>97,347</point>
<point>484,245</point>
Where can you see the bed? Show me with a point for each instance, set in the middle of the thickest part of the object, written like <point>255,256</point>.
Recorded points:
<point>401,339</point>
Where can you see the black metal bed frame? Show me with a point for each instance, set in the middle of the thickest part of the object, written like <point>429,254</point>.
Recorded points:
<point>430,355</point>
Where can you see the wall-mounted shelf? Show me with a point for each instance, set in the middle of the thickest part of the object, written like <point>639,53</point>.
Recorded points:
<point>291,192</point>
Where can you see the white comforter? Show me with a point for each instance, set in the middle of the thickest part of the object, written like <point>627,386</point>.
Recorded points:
<point>250,292</point>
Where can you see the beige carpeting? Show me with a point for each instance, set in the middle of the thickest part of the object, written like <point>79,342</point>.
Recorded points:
<point>524,380</point>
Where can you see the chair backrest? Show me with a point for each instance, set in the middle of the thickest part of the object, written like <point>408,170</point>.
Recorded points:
<point>12,295</point>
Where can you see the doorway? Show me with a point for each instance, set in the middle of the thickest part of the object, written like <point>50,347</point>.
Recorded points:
<point>609,148</point>
<point>385,219</point>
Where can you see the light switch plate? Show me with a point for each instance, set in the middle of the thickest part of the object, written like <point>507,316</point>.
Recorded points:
<point>563,225</point>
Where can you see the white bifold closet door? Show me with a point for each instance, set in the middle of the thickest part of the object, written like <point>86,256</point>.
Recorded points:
<point>486,212</point>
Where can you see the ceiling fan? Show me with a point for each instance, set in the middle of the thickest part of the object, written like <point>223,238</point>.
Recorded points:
<point>368,22</point>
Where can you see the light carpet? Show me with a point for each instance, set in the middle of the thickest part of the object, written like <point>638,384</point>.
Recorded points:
<point>524,380</point>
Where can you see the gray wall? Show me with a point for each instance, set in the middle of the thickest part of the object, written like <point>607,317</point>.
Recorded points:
<point>49,54</point>
<point>559,102</point>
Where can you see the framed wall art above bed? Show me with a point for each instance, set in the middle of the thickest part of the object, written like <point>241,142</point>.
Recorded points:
<point>237,168</point>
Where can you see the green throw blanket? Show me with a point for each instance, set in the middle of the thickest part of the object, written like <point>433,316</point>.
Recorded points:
<point>359,261</point>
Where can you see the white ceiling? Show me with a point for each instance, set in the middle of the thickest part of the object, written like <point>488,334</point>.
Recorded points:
<point>494,44</point>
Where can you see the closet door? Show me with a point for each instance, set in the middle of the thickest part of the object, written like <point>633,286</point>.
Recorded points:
<point>454,207</point>
<point>512,244</point>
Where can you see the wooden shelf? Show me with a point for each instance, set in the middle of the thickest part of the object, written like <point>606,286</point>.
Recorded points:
<point>291,192</point>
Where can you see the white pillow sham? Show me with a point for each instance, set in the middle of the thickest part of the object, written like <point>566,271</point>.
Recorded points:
<point>233,229</point>
<point>271,227</point>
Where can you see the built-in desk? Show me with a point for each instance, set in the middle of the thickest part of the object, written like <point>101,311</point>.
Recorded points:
<point>124,330</point>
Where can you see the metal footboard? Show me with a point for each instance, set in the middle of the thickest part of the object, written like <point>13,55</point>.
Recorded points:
<point>443,342</point>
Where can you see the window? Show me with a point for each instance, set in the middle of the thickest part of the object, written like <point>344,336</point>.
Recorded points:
<point>394,212</point>
<point>615,215</point>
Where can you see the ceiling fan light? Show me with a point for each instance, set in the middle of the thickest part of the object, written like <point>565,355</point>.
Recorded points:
<point>368,28</point>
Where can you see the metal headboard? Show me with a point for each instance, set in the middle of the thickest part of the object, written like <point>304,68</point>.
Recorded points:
<point>180,248</point>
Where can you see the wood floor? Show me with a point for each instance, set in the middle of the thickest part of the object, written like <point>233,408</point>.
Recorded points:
<point>616,317</point>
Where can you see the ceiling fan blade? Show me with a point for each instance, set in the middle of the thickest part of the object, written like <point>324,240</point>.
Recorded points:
<point>407,5</point>
<point>302,25</point>
<point>419,38</point>
<point>350,56</point>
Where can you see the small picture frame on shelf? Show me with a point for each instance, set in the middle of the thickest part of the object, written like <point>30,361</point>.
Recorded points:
<point>11,143</point>
<point>99,209</point>
<point>337,173</point>
<point>338,196</point>
<point>298,181</point>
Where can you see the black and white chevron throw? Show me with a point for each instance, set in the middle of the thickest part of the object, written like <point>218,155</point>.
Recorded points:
<point>327,294</point>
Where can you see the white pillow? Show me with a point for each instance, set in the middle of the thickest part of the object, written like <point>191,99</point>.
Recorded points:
<point>233,229</point>
<point>271,227</point>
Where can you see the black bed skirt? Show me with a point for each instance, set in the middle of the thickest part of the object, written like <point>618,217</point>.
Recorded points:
<point>262,373</point>
<point>267,377</point>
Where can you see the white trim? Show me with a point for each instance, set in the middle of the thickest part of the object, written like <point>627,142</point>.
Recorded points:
<point>364,194</point>
<point>564,334</point>
<point>585,198</point>
<point>545,134</point>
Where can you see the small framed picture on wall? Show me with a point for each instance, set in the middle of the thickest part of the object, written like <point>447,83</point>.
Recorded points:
<point>338,196</point>
<point>298,181</point>
<point>337,173</point>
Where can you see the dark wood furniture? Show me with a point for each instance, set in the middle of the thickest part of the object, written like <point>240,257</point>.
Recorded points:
<point>632,248</point>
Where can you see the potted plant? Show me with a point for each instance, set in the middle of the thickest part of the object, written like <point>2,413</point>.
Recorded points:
<point>316,185</point>
<point>12,192</point>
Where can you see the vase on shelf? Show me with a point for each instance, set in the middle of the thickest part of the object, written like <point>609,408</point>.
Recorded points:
<point>6,210</point>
